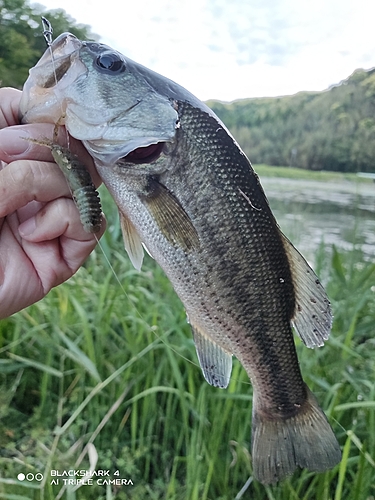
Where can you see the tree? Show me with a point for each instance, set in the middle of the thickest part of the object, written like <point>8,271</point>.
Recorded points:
<point>329,130</point>
<point>21,39</point>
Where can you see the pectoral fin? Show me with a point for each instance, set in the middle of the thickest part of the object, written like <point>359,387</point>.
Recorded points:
<point>132,242</point>
<point>171,218</point>
<point>312,317</point>
<point>216,363</point>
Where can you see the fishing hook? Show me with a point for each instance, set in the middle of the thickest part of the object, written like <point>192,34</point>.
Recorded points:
<point>47,31</point>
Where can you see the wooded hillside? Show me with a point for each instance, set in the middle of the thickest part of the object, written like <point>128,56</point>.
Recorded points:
<point>330,130</point>
<point>21,39</point>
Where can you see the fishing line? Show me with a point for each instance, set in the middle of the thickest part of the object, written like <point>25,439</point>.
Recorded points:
<point>153,329</point>
<point>48,36</point>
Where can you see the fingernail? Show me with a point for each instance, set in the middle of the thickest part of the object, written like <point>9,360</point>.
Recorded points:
<point>13,142</point>
<point>27,227</point>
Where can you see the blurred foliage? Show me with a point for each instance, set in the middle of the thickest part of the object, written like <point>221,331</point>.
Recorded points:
<point>21,39</point>
<point>330,130</point>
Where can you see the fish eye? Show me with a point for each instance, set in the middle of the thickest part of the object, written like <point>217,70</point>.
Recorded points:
<point>110,62</point>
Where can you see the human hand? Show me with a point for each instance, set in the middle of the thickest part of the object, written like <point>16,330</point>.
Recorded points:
<point>42,241</point>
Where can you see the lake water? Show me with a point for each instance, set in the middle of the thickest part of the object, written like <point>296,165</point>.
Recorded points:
<point>311,212</point>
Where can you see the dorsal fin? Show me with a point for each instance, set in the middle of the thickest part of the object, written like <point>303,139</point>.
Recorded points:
<point>312,317</point>
<point>216,363</point>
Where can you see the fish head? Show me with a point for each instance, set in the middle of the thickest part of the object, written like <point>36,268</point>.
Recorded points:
<point>104,99</point>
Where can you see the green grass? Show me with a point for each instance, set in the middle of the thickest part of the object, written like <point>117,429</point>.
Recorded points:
<point>310,175</point>
<point>107,375</point>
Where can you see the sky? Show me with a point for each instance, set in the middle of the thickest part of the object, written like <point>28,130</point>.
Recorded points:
<point>233,49</point>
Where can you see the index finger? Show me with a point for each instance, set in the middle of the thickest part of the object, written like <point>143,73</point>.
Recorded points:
<point>9,106</point>
<point>24,181</point>
<point>14,145</point>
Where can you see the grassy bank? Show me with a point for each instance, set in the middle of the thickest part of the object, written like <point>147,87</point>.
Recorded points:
<point>103,375</point>
<point>309,175</point>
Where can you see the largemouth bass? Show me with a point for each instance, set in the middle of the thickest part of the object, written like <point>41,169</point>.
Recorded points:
<point>186,191</point>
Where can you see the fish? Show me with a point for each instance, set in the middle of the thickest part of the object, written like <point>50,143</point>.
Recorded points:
<point>187,193</point>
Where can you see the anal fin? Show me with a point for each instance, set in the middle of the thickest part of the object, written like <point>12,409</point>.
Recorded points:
<point>132,242</point>
<point>216,363</point>
<point>312,317</point>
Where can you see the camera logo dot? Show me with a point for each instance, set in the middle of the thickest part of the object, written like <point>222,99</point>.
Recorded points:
<point>30,477</point>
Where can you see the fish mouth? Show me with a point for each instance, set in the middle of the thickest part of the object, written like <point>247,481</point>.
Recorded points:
<point>58,67</point>
<point>145,154</point>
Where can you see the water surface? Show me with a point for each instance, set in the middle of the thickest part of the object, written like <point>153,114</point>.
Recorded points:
<point>312,212</point>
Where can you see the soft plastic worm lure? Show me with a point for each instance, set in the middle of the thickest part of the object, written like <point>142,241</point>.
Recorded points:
<point>80,183</point>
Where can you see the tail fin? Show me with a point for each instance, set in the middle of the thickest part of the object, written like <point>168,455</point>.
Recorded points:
<point>306,440</point>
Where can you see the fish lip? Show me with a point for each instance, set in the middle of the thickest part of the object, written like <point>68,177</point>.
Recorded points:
<point>119,152</point>
<point>61,50</point>
<point>65,44</point>
<point>46,75</point>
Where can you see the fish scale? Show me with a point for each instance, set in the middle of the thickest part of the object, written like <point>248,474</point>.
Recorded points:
<point>266,349</point>
<point>187,192</point>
